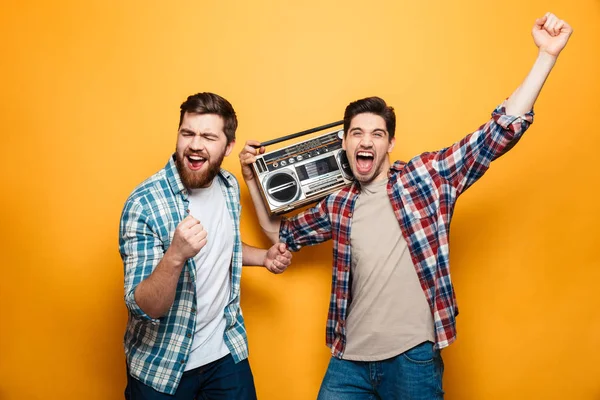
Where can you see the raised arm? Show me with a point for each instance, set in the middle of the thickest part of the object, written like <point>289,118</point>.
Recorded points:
<point>307,228</point>
<point>550,35</point>
<point>270,225</point>
<point>466,161</point>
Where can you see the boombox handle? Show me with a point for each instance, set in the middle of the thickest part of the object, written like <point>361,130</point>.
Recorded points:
<point>306,132</point>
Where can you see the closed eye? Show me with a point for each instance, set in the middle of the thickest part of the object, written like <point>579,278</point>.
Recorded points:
<point>186,132</point>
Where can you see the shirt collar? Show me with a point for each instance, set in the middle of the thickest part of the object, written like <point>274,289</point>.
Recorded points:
<point>396,167</point>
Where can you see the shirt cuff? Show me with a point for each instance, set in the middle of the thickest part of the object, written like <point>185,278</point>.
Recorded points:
<point>512,123</point>
<point>135,310</point>
<point>286,236</point>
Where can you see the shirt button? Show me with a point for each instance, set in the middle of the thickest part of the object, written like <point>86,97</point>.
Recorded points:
<point>193,311</point>
<point>187,211</point>
<point>189,335</point>
<point>349,215</point>
<point>181,362</point>
<point>347,243</point>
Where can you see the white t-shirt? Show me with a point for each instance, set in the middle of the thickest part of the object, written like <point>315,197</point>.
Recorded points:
<point>213,276</point>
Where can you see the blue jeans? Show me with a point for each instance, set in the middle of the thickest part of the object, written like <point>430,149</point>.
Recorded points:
<point>413,375</point>
<point>219,380</point>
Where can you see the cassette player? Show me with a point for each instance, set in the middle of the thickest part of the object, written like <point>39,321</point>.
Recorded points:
<point>303,173</point>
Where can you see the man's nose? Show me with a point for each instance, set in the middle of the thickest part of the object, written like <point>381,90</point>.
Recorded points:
<point>197,143</point>
<point>366,141</point>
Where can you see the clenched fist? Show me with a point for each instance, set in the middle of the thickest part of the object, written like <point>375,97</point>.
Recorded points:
<point>248,156</point>
<point>278,258</point>
<point>551,34</point>
<point>188,240</point>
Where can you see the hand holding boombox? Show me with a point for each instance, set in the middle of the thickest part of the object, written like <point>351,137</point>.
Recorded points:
<point>300,174</point>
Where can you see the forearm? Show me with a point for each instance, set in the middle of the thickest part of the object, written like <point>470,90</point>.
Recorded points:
<point>253,256</point>
<point>270,225</point>
<point>523,99</point>
<point>155,294</point>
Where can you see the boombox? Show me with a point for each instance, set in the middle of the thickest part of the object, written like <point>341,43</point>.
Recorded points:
<point>302,173</point>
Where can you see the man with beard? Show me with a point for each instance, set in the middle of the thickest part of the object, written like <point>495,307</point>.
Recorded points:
<point>392,302</point>
<point>181,248</point>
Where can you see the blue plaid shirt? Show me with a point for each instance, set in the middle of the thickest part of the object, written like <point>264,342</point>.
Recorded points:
<point>157,350</point>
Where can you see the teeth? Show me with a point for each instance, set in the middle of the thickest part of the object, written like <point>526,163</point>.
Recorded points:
<point>364,154</point>
<point>195,158</point>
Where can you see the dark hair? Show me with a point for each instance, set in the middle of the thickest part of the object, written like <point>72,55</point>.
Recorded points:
<point>210,103</point>
<point>373,105</point>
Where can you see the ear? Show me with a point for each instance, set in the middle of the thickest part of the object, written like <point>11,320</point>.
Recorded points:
<point>391,145</point>
<point>229,147</point>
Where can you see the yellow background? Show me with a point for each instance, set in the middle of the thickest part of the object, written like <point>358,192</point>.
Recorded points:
<point>89,108</point>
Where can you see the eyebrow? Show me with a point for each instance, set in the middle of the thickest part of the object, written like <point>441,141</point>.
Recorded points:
<point>186,130</point>
<point>374,130</point>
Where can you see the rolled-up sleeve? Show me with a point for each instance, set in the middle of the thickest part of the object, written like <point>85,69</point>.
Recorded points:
<point>141,251</point>
<point>308,228</point>
<point>467,160</point>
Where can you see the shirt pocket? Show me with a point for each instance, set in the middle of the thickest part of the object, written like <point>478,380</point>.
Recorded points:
<point>419,199</point>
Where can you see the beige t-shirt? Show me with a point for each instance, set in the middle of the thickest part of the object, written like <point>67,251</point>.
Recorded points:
<point>389,313</point>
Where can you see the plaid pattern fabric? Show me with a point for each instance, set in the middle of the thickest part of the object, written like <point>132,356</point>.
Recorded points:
<point>157,349</point>
<point>423,193</point>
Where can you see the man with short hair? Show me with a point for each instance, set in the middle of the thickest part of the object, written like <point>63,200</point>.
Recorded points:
<point>392,304</point>
<point>182,253</point>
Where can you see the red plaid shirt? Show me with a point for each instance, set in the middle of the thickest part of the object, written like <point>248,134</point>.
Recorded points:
<point>423,193</point>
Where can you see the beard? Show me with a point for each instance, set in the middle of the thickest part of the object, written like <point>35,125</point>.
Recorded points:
<point>201,178</point>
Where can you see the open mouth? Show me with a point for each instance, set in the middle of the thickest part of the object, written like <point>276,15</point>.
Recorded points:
<point>195,162</point>
<point>364,161</point>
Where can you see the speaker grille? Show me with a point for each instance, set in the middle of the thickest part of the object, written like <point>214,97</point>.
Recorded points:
<point>282,187</point>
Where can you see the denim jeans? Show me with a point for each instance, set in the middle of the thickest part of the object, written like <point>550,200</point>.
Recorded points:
<point>219,380</point>
<point>413,375</point>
